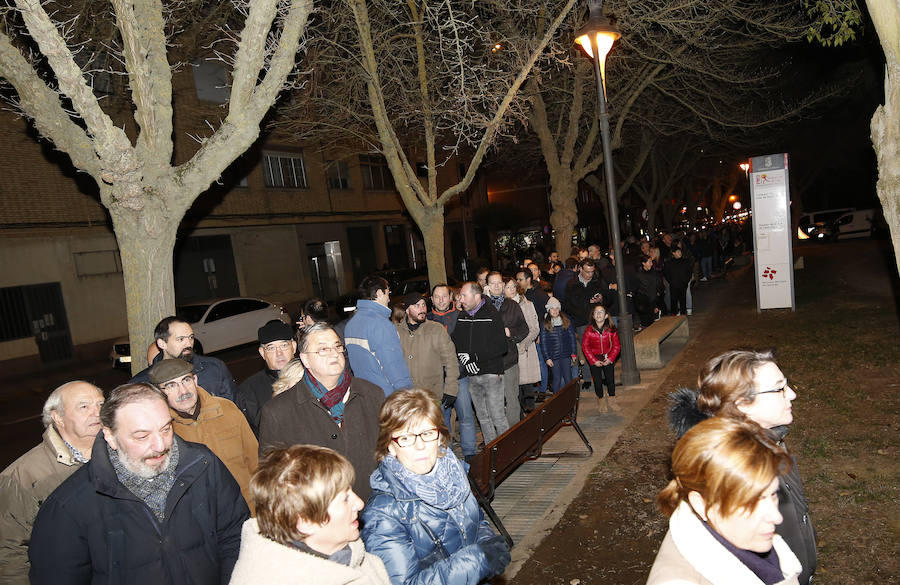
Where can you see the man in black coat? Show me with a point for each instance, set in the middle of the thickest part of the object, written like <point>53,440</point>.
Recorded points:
<point>276,347</point>
<point>516,330</point>
<point>149,508</point>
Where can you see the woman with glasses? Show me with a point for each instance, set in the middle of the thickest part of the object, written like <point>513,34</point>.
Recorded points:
<point>749,385</point>
<point>422,519</point>
<point>723,513</point>
<point>328,407</point>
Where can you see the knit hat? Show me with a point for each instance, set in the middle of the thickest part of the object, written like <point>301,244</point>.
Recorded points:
<point>166,370</point>
<point>553,303</point>
<point>411,298</point>
<point>275,330</point>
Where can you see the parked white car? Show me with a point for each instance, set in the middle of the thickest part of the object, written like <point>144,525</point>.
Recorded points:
<point>218,325</point>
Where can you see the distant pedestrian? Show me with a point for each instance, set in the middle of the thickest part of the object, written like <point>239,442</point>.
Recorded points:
<point>678,273</point>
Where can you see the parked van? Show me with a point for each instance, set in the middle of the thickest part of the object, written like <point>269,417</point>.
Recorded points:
<point>853,224</point>
<point>817,224</point>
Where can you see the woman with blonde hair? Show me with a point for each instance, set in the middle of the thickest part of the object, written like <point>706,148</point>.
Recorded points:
<point>306,530</point>
<point>723,509</point>
<point>422,519</point>
<point>288,376</point>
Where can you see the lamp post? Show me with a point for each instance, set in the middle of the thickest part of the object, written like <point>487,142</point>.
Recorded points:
<point>596,37</point>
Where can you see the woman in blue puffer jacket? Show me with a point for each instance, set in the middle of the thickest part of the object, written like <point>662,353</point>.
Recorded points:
<point>422,519</point>
<point>557,347</point>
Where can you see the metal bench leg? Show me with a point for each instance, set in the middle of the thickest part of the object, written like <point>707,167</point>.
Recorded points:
<point>578,430</point>
<point>489,510</point>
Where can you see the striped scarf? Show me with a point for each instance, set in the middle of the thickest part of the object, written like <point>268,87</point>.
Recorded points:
<point>332,399</point>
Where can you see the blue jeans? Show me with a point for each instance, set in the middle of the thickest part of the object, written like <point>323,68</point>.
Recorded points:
<point>561,374</point>
<point>466,417</point>
<point>706,266</point>
<point>545,375</point>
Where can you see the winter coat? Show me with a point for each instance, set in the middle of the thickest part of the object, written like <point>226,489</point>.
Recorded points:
<point>529,359</point>
<point>691,554</point>
<point>297,417</point>
<point>796,527</point>
<point>558,344</point>
<point>212,374</point>
<point>678,272</point>
<point>394,522</point>
<point>514,320</point>
<point>647,290</point>
<point>93,530</point>
<point>539,299</point>
<point>221,427</point>
<point>482,337</point>
<point>266,562</point>
<point>595,344</point>
<point>563,278</point>
<point>373,348</point>
<point>252,395</point>
<point>447,319</point>
<point>579,304</point>
<point>24,486</point>
<point>431,357</point>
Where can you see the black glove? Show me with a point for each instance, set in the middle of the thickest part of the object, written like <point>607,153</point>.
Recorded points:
<point>496,553</point>
<point>447,401</point>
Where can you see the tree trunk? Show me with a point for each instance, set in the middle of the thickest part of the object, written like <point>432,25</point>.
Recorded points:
<point>146,239</point>
<point>563,193</point>
<point>886,121</point>
<point>432,226</point>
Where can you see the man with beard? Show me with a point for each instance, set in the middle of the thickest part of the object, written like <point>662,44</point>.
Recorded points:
<point>276,347</point>
<point>71,418</point>
<point>175,339</point>
<point>148,508</point>
<point>329,407</point>
<point>516,330</point>
<point>199,417</point>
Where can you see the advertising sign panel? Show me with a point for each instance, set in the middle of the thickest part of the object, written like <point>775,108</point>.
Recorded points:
<point>770,194</point>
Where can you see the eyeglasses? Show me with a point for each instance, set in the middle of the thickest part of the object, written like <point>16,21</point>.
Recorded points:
<point>326,351</point>
<point>429,436</point>
<point>284,346</point>
<point>775,391</point>
<point>175,384</point>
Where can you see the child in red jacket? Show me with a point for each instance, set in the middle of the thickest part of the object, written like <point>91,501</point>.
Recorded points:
<point>600,344</point>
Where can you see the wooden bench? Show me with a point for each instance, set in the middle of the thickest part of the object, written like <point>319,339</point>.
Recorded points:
<point>521,442</point>
<point>648,341</point>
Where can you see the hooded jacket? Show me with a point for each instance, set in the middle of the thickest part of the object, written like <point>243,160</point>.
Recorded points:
<point>265,561</point>
<point>92,529</point>
<point>796,528</point>
<point>394,528</point>
<point>690,554</point>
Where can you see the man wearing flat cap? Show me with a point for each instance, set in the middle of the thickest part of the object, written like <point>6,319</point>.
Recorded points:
<point>276,347</point>
<point>200,417</point>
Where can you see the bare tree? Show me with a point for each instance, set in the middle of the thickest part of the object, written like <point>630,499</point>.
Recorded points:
<point>145,193</point>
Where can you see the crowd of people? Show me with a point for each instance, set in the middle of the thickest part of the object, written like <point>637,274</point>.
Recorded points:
<point>335,463</point>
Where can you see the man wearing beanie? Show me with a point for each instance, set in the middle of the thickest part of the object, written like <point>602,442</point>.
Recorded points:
<point>200,417</point>
<point>276,347</point>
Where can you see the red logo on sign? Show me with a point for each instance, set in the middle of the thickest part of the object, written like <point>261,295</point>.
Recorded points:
<point>769,273</point>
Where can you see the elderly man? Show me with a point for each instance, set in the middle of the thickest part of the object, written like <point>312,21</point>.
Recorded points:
<point>199,417</point>
<point>371,339</point>
<point>329,407</point>
<point>71,417</point>
<point>516,330</point>
<point>175,339</point>
<point>480,342</point>
<point>148,508</point>
<point>429,353</point>
<point>276,347</point>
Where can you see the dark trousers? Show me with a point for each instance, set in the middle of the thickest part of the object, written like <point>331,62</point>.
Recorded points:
<point>604,375</point>
<point>679,300</point>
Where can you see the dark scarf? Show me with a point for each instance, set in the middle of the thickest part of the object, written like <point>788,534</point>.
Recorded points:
<point>498,301</point>
<point>342,557</point>
<point>332,399</point>
<point>153,491</point>
<point>191,415</point>
<point>766,566</point>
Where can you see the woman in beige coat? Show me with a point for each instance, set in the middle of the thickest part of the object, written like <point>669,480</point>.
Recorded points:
<point>723,509</point>
<point>529,361</point>
<point>306,530</point>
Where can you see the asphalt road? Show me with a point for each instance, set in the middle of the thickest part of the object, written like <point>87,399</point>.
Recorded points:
<point>21,399</point>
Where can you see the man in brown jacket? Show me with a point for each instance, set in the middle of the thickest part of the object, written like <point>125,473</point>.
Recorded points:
<point>216,422</point>
<point>71,416</point>
<point>428,351</point>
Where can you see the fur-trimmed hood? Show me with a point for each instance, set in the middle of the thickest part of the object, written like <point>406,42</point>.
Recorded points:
<point>683,410</point>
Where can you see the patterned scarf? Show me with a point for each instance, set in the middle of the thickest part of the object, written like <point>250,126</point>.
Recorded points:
<point>153,491</point>
<point>332,399</point>
<point>445,487</point>
<point>76,454</point>
<point>497,301</point>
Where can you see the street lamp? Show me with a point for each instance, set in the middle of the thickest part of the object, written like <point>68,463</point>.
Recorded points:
<point>596,37</point>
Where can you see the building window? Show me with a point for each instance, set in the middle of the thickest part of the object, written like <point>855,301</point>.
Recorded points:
<point>284,169</point>
<point>338,173</point>
<point>376,175</point>
<point>14,323</point>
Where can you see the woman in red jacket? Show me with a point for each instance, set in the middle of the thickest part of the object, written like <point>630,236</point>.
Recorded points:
<point>600,344</point>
